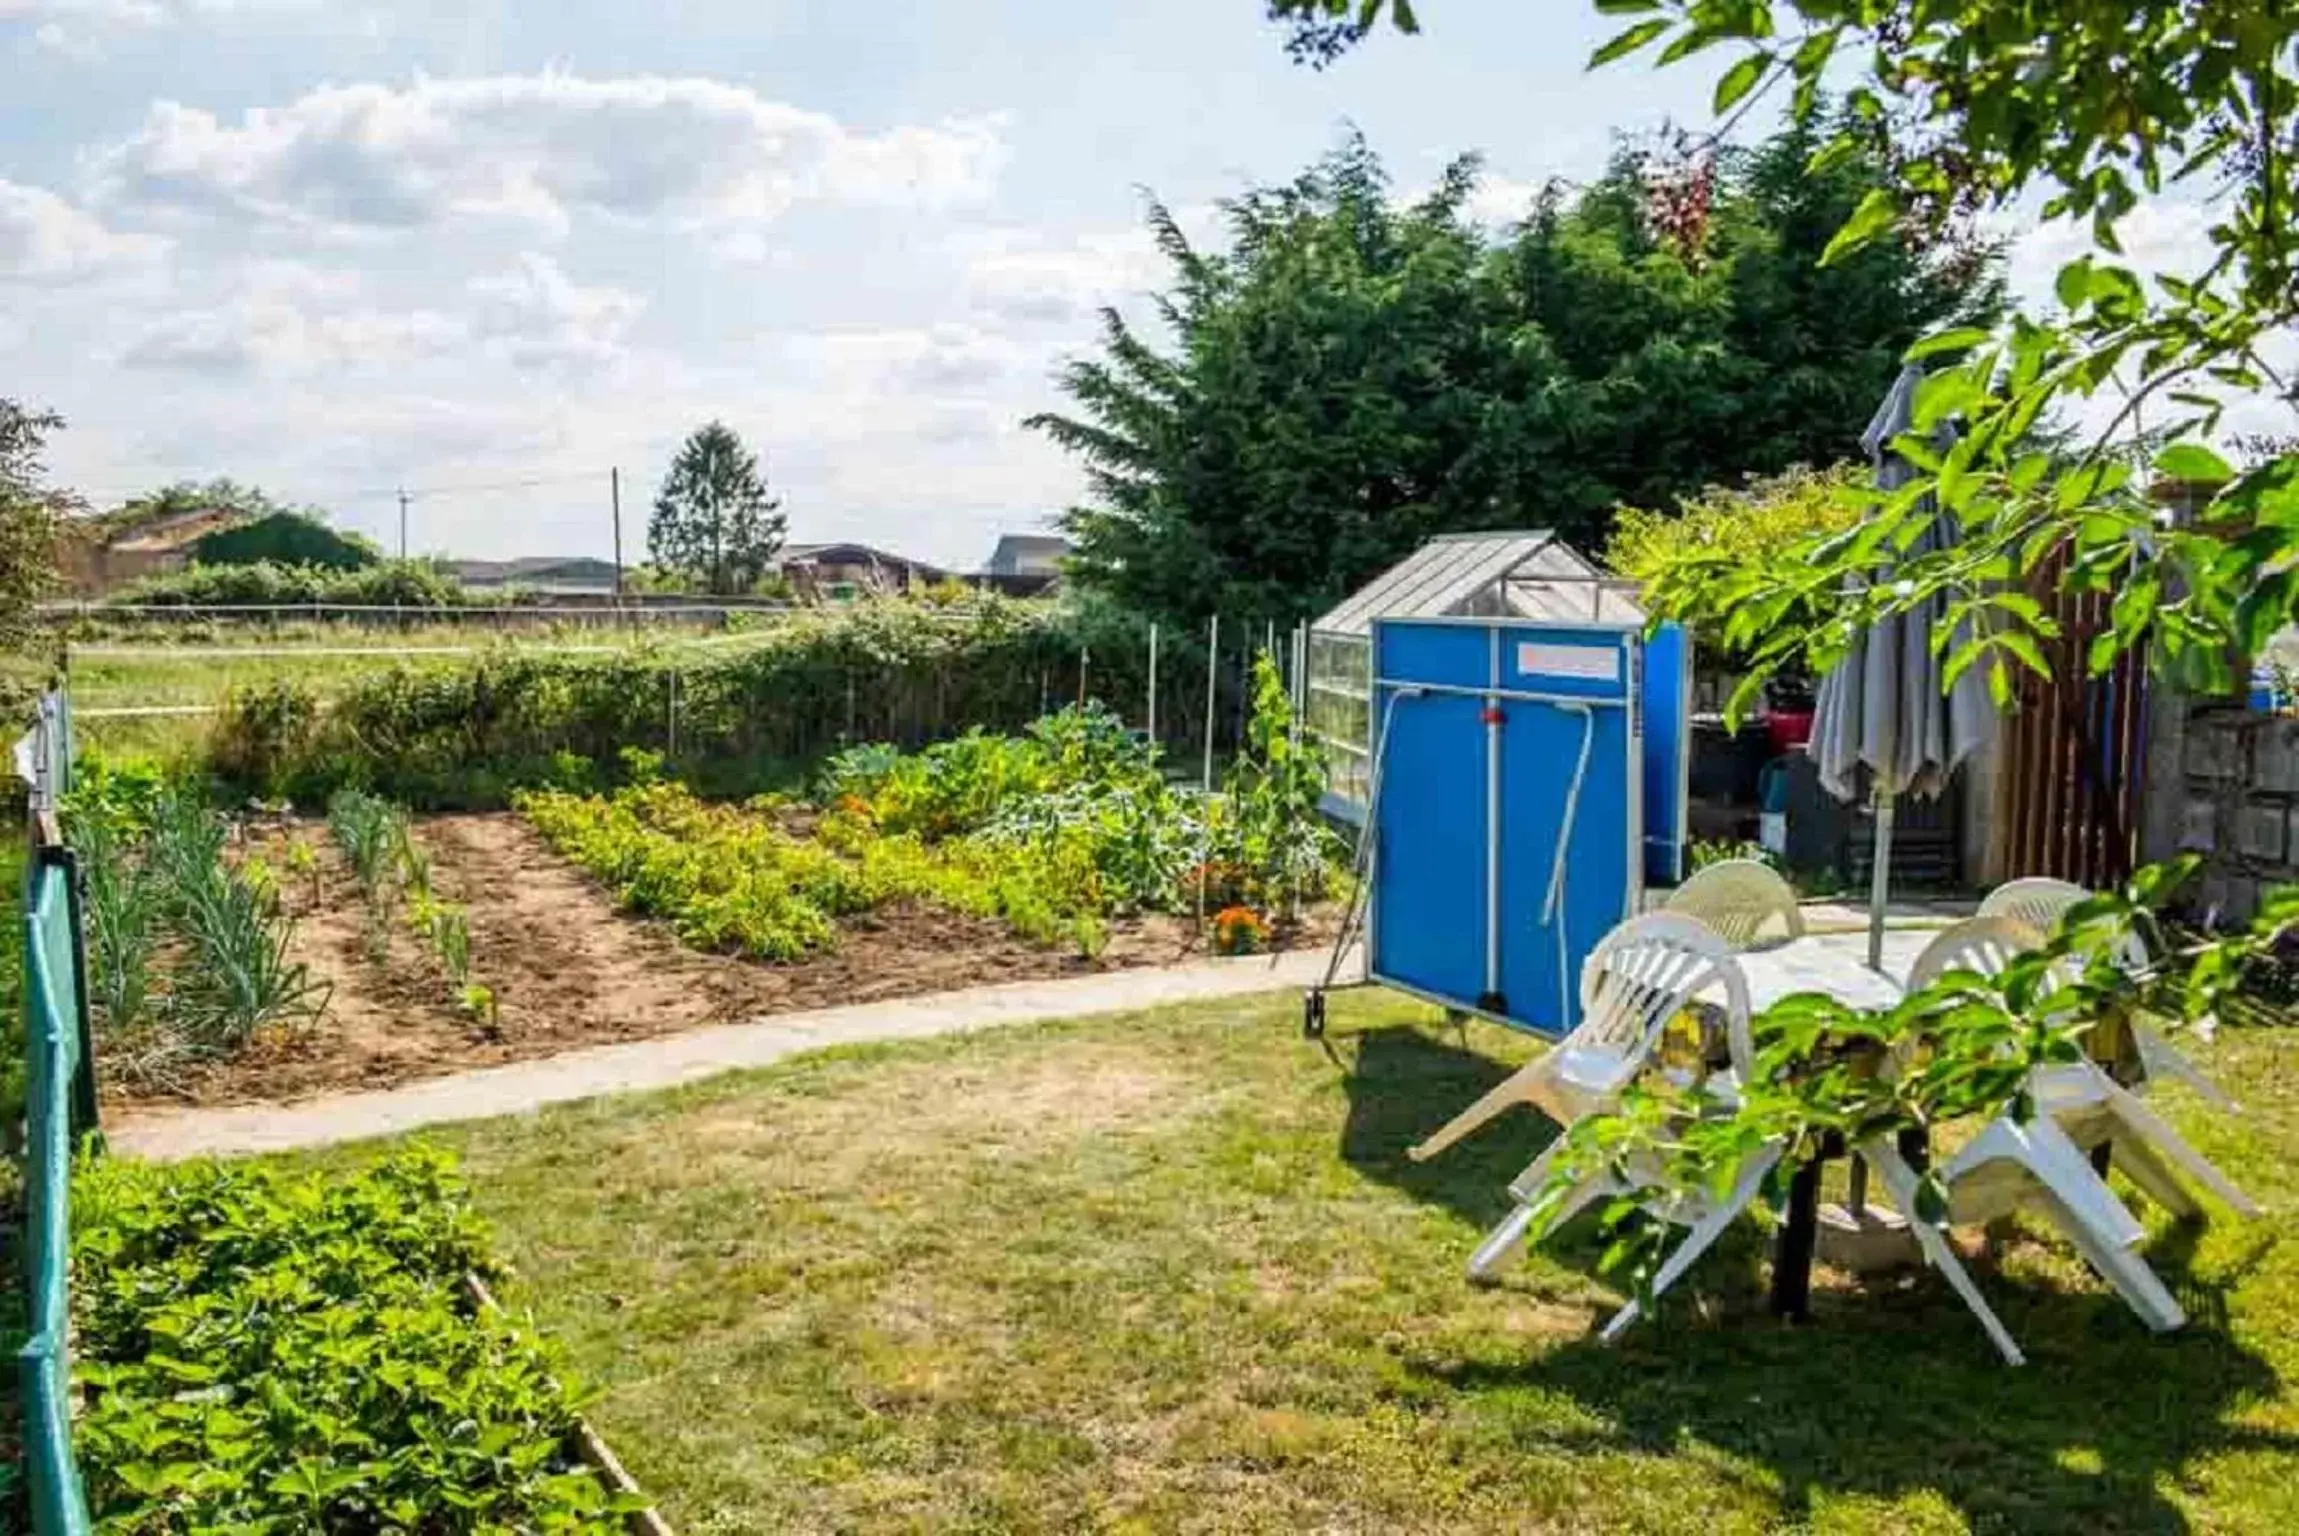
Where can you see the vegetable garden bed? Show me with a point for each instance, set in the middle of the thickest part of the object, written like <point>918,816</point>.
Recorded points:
<point>566,969</point>
<point>455,941</point>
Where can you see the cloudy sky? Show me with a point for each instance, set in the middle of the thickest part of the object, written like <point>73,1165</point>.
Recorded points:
<point>486,251</point>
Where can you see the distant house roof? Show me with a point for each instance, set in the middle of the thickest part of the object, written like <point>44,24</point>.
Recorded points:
<point>1027,554</point>
<point>175,530</point>
<point>858,554</point>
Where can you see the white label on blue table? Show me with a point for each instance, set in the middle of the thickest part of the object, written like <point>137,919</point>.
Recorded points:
<point>1592,663</point>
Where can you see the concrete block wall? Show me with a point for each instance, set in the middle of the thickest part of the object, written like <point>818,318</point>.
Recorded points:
<point>2227,788</point>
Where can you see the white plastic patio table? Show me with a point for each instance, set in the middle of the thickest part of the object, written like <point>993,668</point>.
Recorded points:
<point>1835,964</point>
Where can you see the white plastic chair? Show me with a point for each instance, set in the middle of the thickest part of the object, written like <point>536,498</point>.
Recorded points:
<point>1740,899</point>
<point>2041,902</point>
<point>2041,1163</point>
<point>2036,900</point>
<point>2087,1105</point>
<point>1641,976</point>
<point>1981,944</point>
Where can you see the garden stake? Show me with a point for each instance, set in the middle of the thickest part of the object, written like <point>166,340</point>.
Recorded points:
<point>1212,681</point>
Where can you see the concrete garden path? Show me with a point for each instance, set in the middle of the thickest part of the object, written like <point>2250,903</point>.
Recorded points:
<point>642,1065</point>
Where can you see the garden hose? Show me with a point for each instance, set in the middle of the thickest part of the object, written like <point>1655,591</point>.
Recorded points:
<point>1552,907</point>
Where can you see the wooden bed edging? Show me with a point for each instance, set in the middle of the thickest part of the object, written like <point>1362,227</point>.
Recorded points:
<point>588,1445</point>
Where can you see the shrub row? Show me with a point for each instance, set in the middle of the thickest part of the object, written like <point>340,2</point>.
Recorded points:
<point>386,584</point>
<point>737,718</point>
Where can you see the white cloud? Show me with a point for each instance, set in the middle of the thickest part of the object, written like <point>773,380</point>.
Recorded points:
<point>537,317</point>
<point>290,319</point>
<point>45,238</point>
<point>1022,277</point>
<point>1027,276</point>
<point>1499,200</point>
<point>2166,234</point>
<point>937,360</point>
<point>540,148</point>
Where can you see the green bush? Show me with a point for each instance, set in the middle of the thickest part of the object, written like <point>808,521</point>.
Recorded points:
<point>274,1352</point>
<point>387,583</point>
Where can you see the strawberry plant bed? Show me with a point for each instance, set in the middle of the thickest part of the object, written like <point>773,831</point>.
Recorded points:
<point>260,1350</point>
<point>567,969</point>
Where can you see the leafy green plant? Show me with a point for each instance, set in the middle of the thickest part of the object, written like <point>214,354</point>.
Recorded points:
<point>259,731</point>
<point>1704,851</point>
<point>122,793</point>
<point>303,864</point>
<point>372,832</point>
<point>233,972</point>
<point>1276,833</point>
<point>125,911</point>
<point>479,1002</point>
<point>266,1351</point>
<point>449,930</point>
<point>238,977</point>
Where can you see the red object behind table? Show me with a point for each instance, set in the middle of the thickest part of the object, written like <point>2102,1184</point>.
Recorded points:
<point>1789,729</point>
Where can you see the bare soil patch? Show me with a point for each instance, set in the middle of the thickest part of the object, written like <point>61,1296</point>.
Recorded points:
<point>568,970</point>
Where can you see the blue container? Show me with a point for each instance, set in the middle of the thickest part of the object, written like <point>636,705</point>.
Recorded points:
<point>1529,776</point>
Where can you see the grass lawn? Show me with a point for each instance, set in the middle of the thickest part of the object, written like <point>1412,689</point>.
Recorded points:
<point>1172,1271</point>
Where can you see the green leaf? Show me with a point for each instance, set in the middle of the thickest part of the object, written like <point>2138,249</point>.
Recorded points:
<point>1961,338</point>
<point>2073,285</point>
<point>2193,461</point>
<point>1876,214</point>
<point>1629,41</point>
<point>1740,79</point>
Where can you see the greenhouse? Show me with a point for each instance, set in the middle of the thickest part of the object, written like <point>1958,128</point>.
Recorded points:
<point>1525,575</point>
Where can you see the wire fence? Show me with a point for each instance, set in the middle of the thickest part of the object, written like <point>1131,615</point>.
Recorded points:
<point>1189,691</point>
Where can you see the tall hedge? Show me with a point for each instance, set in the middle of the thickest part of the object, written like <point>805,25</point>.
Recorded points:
<point>286,538</point>
<point>752,712</point>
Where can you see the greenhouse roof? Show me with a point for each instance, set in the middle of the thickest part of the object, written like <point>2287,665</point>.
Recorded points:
<point>1528,575</point>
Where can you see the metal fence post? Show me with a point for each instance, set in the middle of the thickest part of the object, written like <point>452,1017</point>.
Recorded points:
<point>1153,685</point>
<point>1212,677</point>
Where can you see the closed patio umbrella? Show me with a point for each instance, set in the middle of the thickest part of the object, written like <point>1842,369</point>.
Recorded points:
<point>1883,725</point>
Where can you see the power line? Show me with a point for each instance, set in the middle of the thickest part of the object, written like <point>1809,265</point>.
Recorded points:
<point>388,493</point>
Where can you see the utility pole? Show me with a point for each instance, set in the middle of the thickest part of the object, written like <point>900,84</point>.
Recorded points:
<point>615,493</point>
<point>403,522</point>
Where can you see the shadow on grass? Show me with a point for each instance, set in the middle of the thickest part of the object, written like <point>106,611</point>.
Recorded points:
<point>1407,1082</point>
<point>1891,1391</point>
<point>2084,1438</point>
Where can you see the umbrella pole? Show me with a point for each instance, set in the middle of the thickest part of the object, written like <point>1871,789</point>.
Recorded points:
<point>1880,880</point>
